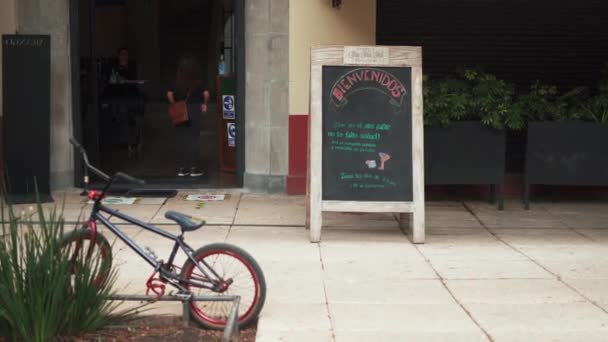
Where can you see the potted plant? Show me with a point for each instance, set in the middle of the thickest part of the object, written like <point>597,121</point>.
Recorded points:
<point>567,138</point>
<point>466,116</point>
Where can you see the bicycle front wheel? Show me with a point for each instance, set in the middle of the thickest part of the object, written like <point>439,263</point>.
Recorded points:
<point>94,251</point>
<point>240,276</point>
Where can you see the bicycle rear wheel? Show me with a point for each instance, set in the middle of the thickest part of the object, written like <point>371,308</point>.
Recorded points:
<point>97,254</point>
<point>241,276</point>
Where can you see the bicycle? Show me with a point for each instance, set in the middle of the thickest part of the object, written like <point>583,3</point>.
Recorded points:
<point>201,270</point>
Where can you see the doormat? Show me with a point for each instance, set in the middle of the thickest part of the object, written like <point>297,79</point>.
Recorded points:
<point>117,201</point>
<point>152,193</point>
<point>205,197</point>
<point>128,192</point>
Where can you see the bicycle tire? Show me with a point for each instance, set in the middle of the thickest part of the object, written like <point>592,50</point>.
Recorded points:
<point>100,242</point>
<point>251,310</point>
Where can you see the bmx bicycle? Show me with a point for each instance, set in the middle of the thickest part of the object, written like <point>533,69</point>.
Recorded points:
<point>214,269</point>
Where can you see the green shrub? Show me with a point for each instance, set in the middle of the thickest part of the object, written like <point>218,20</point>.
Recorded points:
<point>545,103</point>
<point>445,101</point>
<point>40,297</point>
<point>470,94</point>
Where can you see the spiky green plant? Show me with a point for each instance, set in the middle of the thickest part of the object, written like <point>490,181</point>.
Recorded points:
<point>41,296</point>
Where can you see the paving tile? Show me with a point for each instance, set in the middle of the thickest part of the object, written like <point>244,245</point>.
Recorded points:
<point>541,237</point>
<point>280,252</point>
<point>520,219</point>
<point>458,237</point>
<point>382,252</point>
<point>590,250</point>
<point>443,204</point>
<point>484,269</point>
<point>152,200</point>
<point>597,235</point>
<point>68,196</point>
<point>550,319</point>
<point>370,291</point>
<point>436,336</point>
<point>271,210</point>
<point>273,235</point>
<point>451,217</point>
<point>593,208</point>
<point>515,217</point>
<point>281,317</point>
<point>410,318</point>
<point>490,252</point>
<point>294,336</point>
<point>595,220</point>
<point>511,205</point>
<point>579,268</point>
<point>512,291</point>
<point>331,236</point>
<point>355,269</point>
<point>69,212</point>
<point>300,290</point>
<point>365,221</point>
<point>560,336</point>
<point>594,289</point>
<point>212,212</point>
<point>294,268</point>
<point>370,261</point>
<point>275,243</point>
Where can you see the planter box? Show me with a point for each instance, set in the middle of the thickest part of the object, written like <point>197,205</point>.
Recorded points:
<point>465,153</point>
<point>566,153</point>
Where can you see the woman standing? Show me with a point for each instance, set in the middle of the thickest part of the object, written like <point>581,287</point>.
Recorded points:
<point>189,86</point>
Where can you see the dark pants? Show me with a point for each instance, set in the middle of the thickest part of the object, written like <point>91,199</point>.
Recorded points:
<point>188,144</point>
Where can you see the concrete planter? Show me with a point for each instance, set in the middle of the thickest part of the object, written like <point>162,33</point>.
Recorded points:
<point>566,153</point>
<point>465,153</point>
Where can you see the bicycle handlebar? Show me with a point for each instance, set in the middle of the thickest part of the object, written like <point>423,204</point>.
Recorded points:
<point>100,173</point>
<point>77,144</point>
<point>130,179</point>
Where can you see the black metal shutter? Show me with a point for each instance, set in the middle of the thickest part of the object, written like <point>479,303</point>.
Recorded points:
<point>563,43</point>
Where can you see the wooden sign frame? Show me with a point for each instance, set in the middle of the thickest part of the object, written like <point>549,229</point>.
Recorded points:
<point>366,56</point>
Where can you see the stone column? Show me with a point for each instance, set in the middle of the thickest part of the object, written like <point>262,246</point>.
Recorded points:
<point>266,101</point>
<point>52,17</point>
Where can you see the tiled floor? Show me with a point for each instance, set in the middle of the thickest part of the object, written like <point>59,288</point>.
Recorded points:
<point>515,275</point>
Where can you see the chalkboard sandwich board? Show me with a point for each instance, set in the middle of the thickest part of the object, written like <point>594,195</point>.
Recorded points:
<point>366,134</point>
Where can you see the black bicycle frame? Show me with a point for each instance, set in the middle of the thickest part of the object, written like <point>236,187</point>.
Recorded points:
<point>178,239</point>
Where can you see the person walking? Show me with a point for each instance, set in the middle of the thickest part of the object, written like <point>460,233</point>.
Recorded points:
<point>189,87</point>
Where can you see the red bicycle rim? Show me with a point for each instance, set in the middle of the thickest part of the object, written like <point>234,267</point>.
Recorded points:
<point>251,272</point>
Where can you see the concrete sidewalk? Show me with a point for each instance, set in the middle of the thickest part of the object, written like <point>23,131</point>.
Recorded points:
<point>482,275</point>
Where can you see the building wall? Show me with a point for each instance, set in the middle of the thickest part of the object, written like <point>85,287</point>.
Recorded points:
<point>7,26</point>
<point>315,23</point>
<point>52,17</point>
<point>266,99</point>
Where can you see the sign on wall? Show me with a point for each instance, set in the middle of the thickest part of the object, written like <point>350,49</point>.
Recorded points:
<point>366,134</point>
<point>228,107</point>
<point>231,127</point>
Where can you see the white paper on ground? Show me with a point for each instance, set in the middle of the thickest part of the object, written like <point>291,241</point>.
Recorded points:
<point>118,200</point>
<point>205,198</point>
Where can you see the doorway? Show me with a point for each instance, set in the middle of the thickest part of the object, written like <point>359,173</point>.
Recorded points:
<point>123,121</point>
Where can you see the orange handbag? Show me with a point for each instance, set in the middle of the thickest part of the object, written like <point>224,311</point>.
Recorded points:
<point>178,111</point>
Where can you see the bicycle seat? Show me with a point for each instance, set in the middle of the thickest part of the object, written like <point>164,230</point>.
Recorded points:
<point>184,221</point>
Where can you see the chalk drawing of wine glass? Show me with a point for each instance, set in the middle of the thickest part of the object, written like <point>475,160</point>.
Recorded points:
<point>384,157</point>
